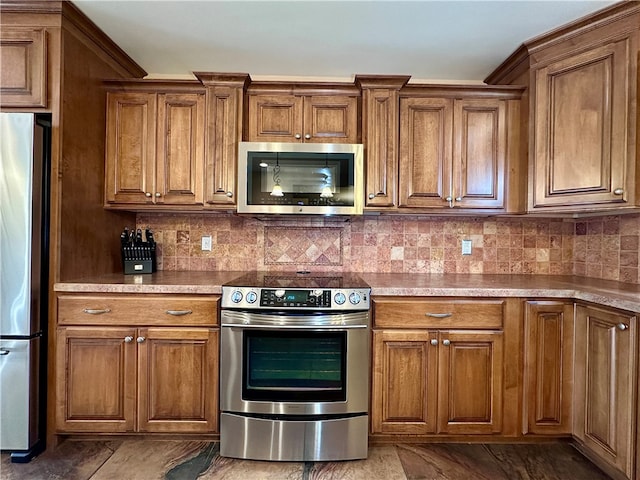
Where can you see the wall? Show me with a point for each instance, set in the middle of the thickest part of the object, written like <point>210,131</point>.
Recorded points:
<point>602,247</point>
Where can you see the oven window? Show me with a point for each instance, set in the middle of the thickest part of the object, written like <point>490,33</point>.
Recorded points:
<point>294,366</point>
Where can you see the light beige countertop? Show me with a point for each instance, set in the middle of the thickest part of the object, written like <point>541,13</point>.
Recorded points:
<point>604,292</point>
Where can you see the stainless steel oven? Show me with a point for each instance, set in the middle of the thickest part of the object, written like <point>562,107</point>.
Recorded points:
<point>294,368</point>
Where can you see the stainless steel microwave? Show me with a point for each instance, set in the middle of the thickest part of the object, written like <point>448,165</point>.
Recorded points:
<point>300,178</point>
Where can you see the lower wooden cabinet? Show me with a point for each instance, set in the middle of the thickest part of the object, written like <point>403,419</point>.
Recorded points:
<point>437,381</point>
<point>605,401</point>
<point>136,363</point>
<point>548,374</point>
<point>119,379</point>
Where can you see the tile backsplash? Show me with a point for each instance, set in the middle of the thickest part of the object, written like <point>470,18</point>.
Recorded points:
<point>601,247</point>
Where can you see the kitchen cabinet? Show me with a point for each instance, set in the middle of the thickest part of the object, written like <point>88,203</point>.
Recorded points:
<point>225,93</point>
<point>23,67</point>
<point>437,366</point>
<point>155,147</point>
<point>548,374</point>
<point>136,364</point>
<point>303,118</point>
<point>582,108</point>
<point>380,120</point>
<point>453,152</point>
<point>605,400</point>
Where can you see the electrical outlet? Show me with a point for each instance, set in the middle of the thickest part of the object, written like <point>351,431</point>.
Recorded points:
<point>466,247</point>
<point>206,243</point>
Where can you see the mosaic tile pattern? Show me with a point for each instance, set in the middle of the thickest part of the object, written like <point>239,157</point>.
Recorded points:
<point>313,246</point>
<point>599,247</point>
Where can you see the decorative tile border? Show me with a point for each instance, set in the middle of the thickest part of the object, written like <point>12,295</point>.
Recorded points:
<point>313,246</point>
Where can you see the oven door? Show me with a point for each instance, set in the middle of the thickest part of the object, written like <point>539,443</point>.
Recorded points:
<point>269,367</point>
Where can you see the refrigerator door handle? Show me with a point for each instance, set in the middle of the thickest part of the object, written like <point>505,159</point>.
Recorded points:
<point>4,351</point>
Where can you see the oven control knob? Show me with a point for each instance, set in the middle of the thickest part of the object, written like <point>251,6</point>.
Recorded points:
<point>279,293</point>
<point>316,292</point>
<point>354,298</point>
<point>236,296</point>
<point>252,297</point>
<point>340,298</point>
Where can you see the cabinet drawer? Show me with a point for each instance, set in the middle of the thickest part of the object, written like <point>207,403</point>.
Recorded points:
<point>437,313</point>
<point>137,310</point>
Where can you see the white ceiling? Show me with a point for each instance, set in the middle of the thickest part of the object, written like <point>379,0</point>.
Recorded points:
<point>434,41</point>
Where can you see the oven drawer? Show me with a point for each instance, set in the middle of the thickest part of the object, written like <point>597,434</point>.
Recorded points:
<point>403,312</point>
<point>139,309</point>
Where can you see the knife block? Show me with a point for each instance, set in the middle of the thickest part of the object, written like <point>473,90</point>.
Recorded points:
<point>138,259</point>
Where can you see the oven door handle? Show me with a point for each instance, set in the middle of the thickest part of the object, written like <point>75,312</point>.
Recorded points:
<point>294,327</point>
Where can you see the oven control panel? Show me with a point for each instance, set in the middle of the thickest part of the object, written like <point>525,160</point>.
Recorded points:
<point>305,299</point>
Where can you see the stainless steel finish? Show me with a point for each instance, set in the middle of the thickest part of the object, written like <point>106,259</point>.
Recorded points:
<point>363,293</point>
<point>231,357</point>
<point>307,136</point>
<point>434,342</point>
<point>128,339</point>
<point>618,191</point>
<point>140,339</point>
<point>623,326</point>
<point>18,381</point>
<point>358,190</point>
<point>179,313</point>
<point>446,343</point>
<point>308,441</point>
<point>93,311</point>
<point>372,196</point>
<point>438,315</point>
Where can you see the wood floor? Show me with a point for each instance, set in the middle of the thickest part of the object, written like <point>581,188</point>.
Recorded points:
<point>191,460</point>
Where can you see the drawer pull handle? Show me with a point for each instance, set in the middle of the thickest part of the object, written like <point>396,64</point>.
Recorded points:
<point>438,315</point>
<point>96,311</point>
<point>179,313</point>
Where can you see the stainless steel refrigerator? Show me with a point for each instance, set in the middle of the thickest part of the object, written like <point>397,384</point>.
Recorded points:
<point>25,141</point>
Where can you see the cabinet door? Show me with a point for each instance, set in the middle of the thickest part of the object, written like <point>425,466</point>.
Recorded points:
<point>605,384</point>
<point>23,67</point>
<point>426,139</point>
<point>582,114</point>
<point>180,150</point>
<point>330,119</point>
<point>404,387</point>
<point>95,379</point>
<point>275,118</point>
<point>470,382</point>
<point>131,148</point>
<point>479,152</point>
<point>548,367</point>
<point>178,379</point>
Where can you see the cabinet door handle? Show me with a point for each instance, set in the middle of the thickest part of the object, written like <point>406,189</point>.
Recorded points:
<point>179,313</point>
<point>372,196</point>
<point>618,191</point>
<point>229,194</point>
<point>298,136</point>
<point>622,326</point>
<point>148,194</point>
<point>438,315</point>
<point>140,339</point>
<point>96,311</point>
<point>446,343</point>
<point>128,339</point>
<point>458,199</point>
<point>434,342</point>
<point>307,136</point>
<point>158,194</point>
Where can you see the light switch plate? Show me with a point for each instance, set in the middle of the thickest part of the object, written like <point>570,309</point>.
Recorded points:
<point>206,243</point>
<point>466,247</point>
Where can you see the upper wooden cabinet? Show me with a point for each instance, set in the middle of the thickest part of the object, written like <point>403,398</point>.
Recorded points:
<point>155,148</point>
<point>583,104</point>
<point>455,153</point>
<point>303,118</point>
<point>23,67</point>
